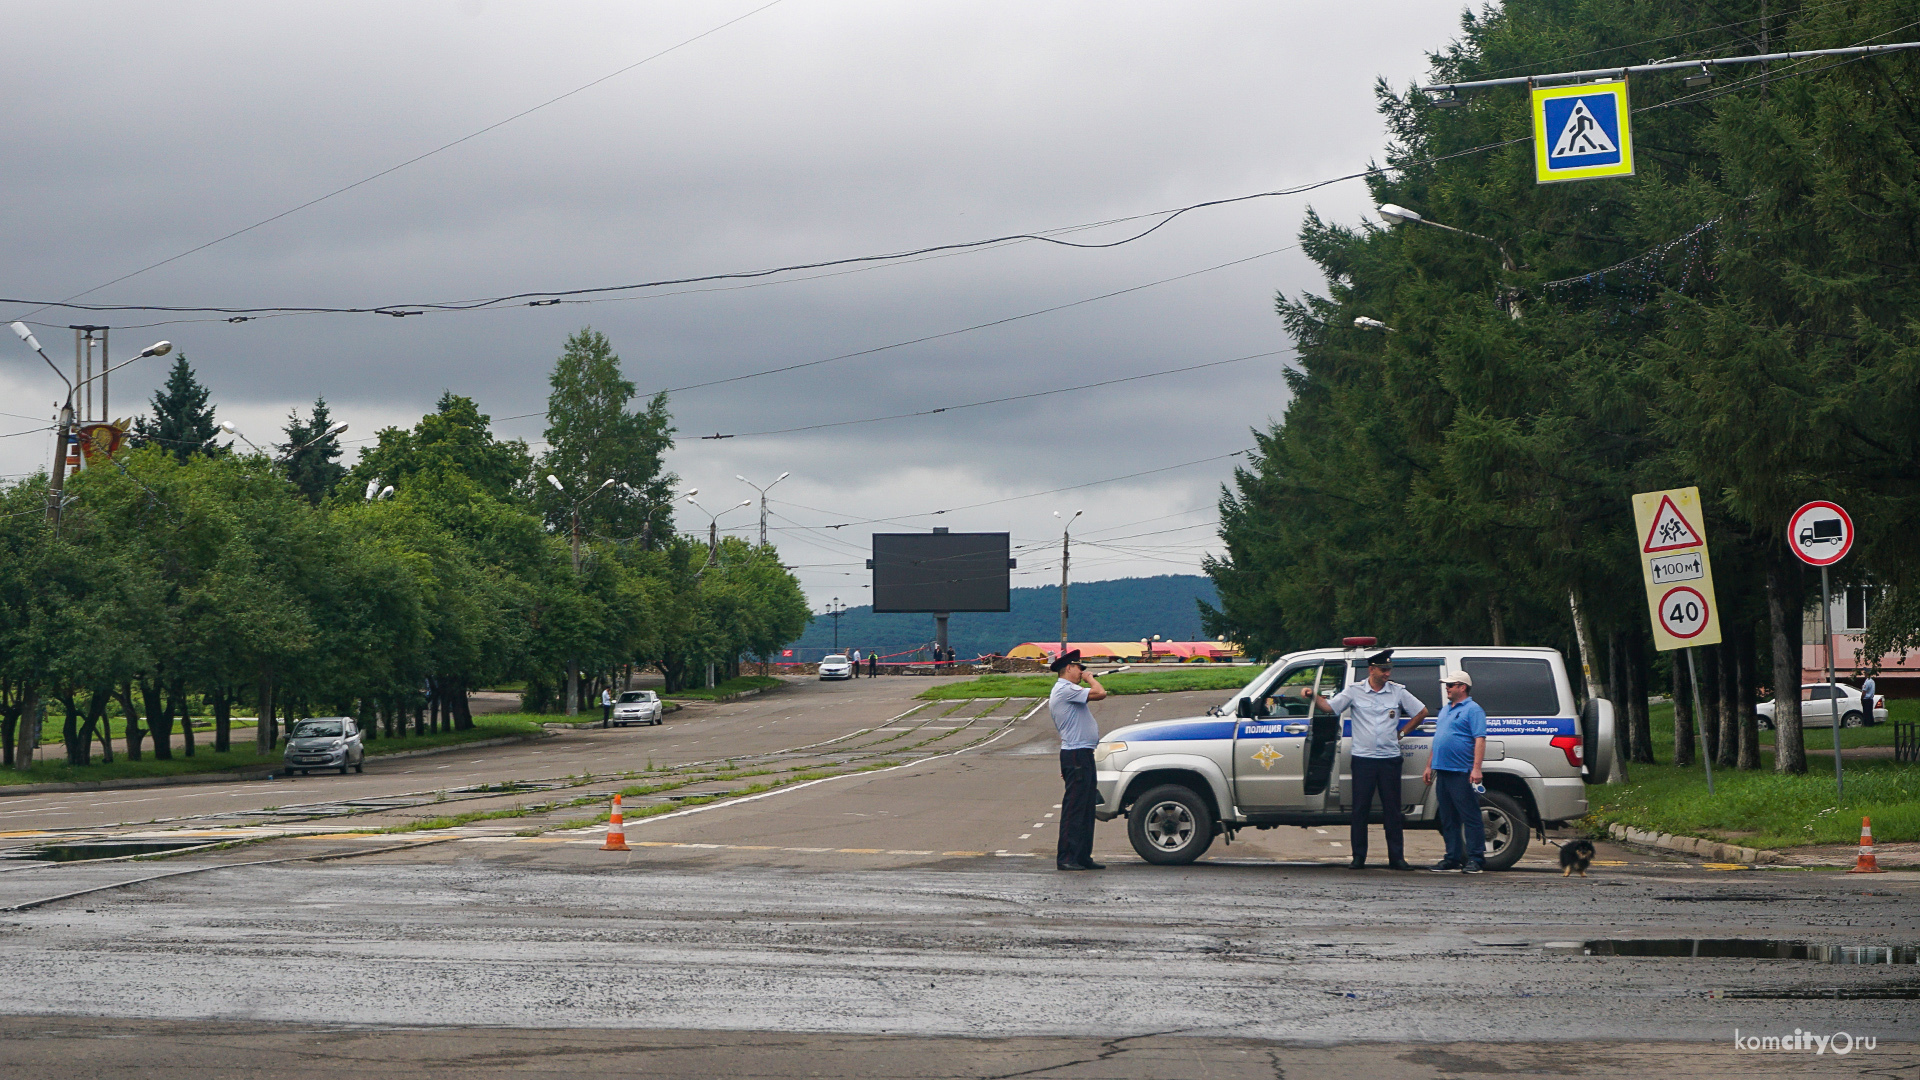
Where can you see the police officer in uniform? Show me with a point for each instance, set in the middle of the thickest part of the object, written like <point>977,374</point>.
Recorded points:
<point>1383,711</point>
<point>1078,735</point>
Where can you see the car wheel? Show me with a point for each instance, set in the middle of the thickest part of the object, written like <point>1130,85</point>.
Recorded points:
<point>1765,722</point>
<point>360,766</point>
<point>1852,719</point>
<point>1170,825</point>
<point>343,768</point>
<point>1506,827</point>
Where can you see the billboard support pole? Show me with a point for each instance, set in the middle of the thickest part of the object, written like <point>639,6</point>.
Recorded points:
<point>940,634</point>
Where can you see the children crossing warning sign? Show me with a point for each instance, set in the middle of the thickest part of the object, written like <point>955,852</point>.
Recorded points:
<point>1581,132</point>
<point>1676,569</point>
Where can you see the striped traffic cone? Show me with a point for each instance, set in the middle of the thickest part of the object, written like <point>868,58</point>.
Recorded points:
<point>1866,864</point>
<point>616,832</point>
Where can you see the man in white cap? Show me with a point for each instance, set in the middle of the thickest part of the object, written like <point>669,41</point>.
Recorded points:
<point>1459,745</point>
<point>1078,736</point>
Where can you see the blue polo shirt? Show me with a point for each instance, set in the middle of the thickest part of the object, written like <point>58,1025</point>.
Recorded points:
<point>1459,724</point>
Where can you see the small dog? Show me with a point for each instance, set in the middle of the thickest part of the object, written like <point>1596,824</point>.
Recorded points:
<point>1576,855</point>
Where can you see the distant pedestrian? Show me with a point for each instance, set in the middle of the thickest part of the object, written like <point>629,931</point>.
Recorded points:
<point>1079,733</point>
<point>854,667</point>
<point>873,665</point>
<point>606,707</point>
<point>1866,701</point>
<point>1383,711</point>
<point>1459,746</point>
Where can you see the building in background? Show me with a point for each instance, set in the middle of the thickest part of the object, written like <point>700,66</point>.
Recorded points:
<point>1895,676</point>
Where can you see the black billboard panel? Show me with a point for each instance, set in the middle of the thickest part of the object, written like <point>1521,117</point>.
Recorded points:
<point>921,572</point>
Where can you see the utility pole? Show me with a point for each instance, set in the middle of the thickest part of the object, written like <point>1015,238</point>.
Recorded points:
<point>573,662</point>
<point>65,436</point>
<point>835,609</point>
<point>1065,556</point>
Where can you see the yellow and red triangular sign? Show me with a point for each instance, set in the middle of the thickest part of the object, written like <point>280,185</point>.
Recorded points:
<point>1670,530</point>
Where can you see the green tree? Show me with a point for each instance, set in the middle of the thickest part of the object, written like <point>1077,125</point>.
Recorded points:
<point>182,422</point>
<point>593,437</point>
<point>455,438</point>
<point>312,452</point>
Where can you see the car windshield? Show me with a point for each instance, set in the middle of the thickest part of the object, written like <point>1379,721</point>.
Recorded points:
<point>632,696</point>
<point>312,729</point>
<point>834,660</point>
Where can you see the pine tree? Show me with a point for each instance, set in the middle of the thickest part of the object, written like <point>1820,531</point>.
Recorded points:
<point>182,421</point>
<point>311,454</point>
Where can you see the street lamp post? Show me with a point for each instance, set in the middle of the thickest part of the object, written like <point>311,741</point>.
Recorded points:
<point>573,662</point>
<point>763,500</point>
<point>834,611</point>
<point>713,525</point>
<point>57,488</point>
<point>1064,556</point>
<point>1396,215</point>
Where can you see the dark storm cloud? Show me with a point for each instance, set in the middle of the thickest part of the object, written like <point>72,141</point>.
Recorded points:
<point>811,130</point>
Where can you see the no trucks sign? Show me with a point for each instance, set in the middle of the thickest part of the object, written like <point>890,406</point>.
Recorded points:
<point>1676,568</point>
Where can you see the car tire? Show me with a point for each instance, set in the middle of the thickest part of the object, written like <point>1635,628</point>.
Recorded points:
<point>1765,722</point>
<point>1852,719</point>
<point>1506,828</point>
<point>343,768</point>
<point>1171,825</point>
<point>360,766</point>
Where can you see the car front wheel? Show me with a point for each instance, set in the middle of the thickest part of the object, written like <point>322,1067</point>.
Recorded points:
<point>1170,825</point>
<point>1506,827</point>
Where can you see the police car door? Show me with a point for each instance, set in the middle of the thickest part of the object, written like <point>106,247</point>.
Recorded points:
<point>1273,749</point>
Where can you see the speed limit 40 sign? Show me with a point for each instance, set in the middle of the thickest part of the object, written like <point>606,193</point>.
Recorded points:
<point>1676,568</point>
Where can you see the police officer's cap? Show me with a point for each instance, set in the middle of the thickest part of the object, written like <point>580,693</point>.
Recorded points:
<point>1071,656</point>
<point>1383,658</point>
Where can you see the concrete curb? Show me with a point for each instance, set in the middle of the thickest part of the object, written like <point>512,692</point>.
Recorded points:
<point>258,772</point>
<point>1694,845</point>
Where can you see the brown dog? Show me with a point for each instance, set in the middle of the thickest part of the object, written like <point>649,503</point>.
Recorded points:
<point>1576,855</point>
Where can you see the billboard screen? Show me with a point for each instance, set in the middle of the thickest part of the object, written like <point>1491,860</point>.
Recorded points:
<point>922,572</point>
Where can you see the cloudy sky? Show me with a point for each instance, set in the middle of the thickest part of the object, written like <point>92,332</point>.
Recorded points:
<point>807,131</point>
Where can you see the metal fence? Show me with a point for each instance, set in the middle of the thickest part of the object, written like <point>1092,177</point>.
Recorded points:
<point>1906,740</point>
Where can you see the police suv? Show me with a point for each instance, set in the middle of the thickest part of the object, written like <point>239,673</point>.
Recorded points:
<point>1272,756</point>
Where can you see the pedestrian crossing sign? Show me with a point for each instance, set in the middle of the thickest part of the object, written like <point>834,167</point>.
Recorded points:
<point>1581,132</point>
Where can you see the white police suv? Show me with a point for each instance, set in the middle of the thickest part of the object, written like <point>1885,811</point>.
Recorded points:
<point>1268,757</point>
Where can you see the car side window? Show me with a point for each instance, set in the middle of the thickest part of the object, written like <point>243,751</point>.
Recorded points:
<point>1513,685</point>
<point>1285,698</point>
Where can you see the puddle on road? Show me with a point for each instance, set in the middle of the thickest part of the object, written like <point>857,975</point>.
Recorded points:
<point>1753,949</point>
<point>111,849</point>
<point>1895,992</point>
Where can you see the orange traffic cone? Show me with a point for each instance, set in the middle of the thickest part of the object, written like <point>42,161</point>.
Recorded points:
<point>617,833</point>
<point>1865,864</point>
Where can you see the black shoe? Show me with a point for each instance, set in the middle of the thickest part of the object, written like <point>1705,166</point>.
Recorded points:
<point>1471,868</point>
<point>1357,864</point>
<point>1091,865</point>
<point>1400,864</point>
<point>1444,868</point>
<point>1068,866</point>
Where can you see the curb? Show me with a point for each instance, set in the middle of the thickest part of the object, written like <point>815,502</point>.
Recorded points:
<point>252,772</point>
<point>1694,845</point>
<point>668,707</point>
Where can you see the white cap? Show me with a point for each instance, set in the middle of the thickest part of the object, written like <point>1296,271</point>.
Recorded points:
<point>1460,677</point>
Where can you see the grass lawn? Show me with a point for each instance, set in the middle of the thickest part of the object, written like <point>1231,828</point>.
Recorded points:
<point>1762,808</point>
<point>1138,681</point>
<point>730,686</point>
<point>242,756</point>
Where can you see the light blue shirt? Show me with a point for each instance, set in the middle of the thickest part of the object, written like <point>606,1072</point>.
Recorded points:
<point>1459,724</point>
<point>1377,716</point>
<point>1068,704</point>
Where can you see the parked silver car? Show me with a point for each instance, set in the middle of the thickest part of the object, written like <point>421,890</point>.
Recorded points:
<point>325,742</point>
<point>1816,711</point>
<point>638,707</point>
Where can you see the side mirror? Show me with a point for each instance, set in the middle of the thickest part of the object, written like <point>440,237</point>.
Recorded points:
<point>1244,709</point>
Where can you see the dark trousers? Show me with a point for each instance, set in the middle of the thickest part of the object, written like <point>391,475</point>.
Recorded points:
<point>606,714</point>
<point>1460,822</point>
<point>1076,808</point>
<point>1381,775</point>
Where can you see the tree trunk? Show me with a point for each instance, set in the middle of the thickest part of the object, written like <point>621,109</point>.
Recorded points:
<point>462,711</point>
<point>99,703</point>
<point>1729,741</point>
<point>159,721</point>
<point>9,723</point>
<point>419,707</point>
<point>1682,710</point>
<point>185,712</point>
<point>222,719</point>
<point>1617,678</point>
<point>263,724</point>
<point>79,746</point>
<point>1783,622</point>
<point>1709,672</point>
<point>1639,681</point>
<point>31,720</point>
<point>1745,694</point>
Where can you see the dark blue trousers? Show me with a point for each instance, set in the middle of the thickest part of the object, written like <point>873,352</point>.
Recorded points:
<point>1076,808</point>
<point>1381,775</point>
<point>1460,823</point>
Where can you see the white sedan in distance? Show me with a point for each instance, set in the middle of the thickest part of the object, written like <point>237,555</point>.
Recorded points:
<point>1816,711</point>
<point>638,707</point>
<point>836,666</point>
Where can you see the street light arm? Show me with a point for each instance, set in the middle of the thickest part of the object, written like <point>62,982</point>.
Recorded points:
<point>158,348</point>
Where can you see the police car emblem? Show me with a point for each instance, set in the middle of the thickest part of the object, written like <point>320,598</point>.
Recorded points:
<point>1267,756</point>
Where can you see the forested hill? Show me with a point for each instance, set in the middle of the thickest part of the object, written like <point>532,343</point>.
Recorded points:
<point>1122,609</point>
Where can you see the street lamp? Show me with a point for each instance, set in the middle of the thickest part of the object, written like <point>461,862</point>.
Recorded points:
<point>834,611</point>
<point>1400,215</point>
<point>227,426</point>
<point>288,452</point>
<point>1364,323</point>
<point>573,663</point>
<point>713,524</point>
<point>763,500</point>
<point>1064,556</point>
<point>58,487</point>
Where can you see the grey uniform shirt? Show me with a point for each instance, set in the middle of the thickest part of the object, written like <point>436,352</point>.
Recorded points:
<point>1377,716</point>
<point>1068,704</point>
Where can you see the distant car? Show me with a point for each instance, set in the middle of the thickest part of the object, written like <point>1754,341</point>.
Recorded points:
<point>836,667</point>
<point>1815,712</point>
<point>638,707</point>
<point>324,742</point>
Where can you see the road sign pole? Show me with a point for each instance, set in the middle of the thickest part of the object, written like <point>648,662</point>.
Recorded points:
<point>1699,729</point>
<point>1833,691</point>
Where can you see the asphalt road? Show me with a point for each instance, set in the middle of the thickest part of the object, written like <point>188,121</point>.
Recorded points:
<point>903,921</point>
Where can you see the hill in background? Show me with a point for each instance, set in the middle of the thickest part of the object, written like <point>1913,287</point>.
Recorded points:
<point>1121,609</point>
